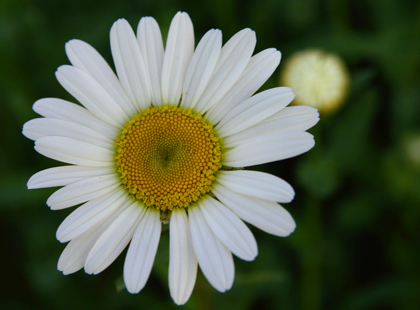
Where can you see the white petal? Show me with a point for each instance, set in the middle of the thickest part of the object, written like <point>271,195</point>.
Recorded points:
<point>42,127</point>
<point>74,151</point>
<point>267,215</point>
<point>65,110</point>
<point>74,255</point>
<point>257,184</point>
<point>268,148</point>
<point>258,70</point>
<point>142,251</point>
<point>113,241</point>
<point>227,226</point>
<point>82,191</point>
<point>85,57</point>
<point>131,68</point>
<point>178,53</point>
<point>298,118</point>
<point>201,67</point>
<point>254,110</point>
<point>90,214</point>
<point>60,176</point>
<point>151,48</point>
<point>182,261</point>
<point>233,59</point>
<point>287,119</point>
<point>91,94</point>
<point>214,258</point>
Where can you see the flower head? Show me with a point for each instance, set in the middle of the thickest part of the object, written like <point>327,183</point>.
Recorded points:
<point>165,141</point>
<point>319,79</point>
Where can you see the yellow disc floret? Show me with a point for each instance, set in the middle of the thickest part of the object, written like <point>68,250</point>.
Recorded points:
<point>168,156</point>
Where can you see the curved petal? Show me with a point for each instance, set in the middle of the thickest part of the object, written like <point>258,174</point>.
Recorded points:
<point>214,258</point>
<point>254,110</point>
<point>258,70</point>
<point>257,184</point>
<point>266,215</point>
<point>182,261</point>
<point>85,57</point>
<point>90,214</point>
<point>42,127</point>
<point>178,53</point>
<point>82,191</point>
<point>233,59</point>
<point>287,119</point>
<point>302,117</point>
<point>227,226</point>
<point>74,151</point>
<point>65,175</point>
<point>131,69</point>
<point>74,256</point>
<point>115,238</point>
<point>91,94</point>
<point>201,67</point>
<point>142,251</point>
<point>68,111</point>
<point>151,48</point>
<point>270,147</point>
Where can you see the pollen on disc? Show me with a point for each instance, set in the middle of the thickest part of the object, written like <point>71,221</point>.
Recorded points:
<point>168,156</point>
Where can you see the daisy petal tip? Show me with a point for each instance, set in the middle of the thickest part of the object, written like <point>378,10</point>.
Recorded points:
<point>229,286</point>
<point>277,56</point>
<point>291,227</point>
<point>118,23</point>
<point>63,68</point>
<point>185,18</point>
<point>183,14</point>
<point>29,185</point>
<point>62,268</point>
<point>61,235</point>
<point>49,204</point>
<point>121,21</point>
<point>247,30</point>
<point>179,299</point>
<point>88,270</point>
<point>290,194</point>
<point>147,22</point>
<point>253,34</point>
<point>179,303</point>
<point>131,287</point>
<point>280,54</point>
<point>73,44</point>
<point>91,267</point>
<point>290,231</point>
<point>251,256</point>
<point>69,44</point>
<point>25,132</point>
<point>312,142</point>
<point>36,104</point>
<point>67,272</point>
<point>60,73</point>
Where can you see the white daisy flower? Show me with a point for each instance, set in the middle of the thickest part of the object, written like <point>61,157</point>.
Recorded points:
<point>164,142</point>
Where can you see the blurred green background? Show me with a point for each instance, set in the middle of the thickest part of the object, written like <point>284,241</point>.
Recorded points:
<point>357,204</point>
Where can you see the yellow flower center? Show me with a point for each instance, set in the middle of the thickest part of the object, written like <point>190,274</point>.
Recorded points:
<point>168,156</point>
